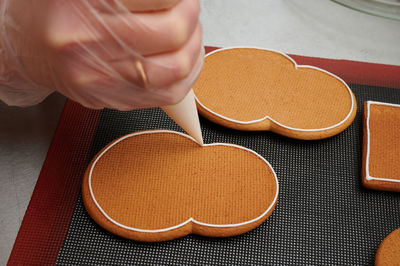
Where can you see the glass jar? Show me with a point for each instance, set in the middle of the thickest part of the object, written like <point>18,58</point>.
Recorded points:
<point>383,8</point>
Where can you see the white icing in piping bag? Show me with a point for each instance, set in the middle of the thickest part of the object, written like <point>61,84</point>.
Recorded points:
<point>186,116</point>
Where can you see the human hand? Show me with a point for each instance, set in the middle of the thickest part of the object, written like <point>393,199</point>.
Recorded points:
<point>98,52</point>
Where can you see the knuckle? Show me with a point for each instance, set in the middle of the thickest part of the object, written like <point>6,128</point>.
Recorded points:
<point>179,32</point>
<point>56,39</point>
<point>56,42</point>
<point>183,23</point>
<point>181,67</point>
<point>78,79</point>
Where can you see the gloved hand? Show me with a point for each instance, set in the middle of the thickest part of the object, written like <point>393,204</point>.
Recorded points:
<point>121,54</point>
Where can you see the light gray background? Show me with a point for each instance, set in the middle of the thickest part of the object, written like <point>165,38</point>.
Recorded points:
<point>308,27</point>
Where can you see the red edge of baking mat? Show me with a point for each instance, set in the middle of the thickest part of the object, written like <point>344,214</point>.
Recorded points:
<point>49,212</point>
<point>48,215</point>
<point>362,73</point>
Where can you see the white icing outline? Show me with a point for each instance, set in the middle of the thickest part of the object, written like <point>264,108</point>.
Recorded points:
<point>296,66</point>
<point>190,219</point>
<point>367,175</point>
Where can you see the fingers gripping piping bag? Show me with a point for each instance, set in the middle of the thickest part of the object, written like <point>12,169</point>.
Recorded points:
<point>183,113</point>
<point>101,54</point>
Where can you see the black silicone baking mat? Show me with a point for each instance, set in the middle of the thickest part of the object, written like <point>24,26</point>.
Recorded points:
<point>323,215</point>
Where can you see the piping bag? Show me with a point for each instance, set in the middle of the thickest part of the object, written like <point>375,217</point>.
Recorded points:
<point>183,113</point>
<point>186,116</point>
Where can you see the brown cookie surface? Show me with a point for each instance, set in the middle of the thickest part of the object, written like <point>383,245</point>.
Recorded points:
<point>160,185</point>
<point>388,253</point>
<point>258,89</point>
<point>381,146</point>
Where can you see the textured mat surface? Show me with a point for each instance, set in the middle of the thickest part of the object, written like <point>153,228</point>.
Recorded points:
<point>323,215</point>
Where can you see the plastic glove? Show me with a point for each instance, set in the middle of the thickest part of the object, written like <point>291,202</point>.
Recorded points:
<point>95,51</point>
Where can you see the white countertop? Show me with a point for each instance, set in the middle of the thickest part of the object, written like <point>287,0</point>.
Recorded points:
<point>308,27</point>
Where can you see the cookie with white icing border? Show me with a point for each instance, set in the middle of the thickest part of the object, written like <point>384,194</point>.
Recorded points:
<point>381,146</point>
<point>257,89</point>
<point>388,252</point>
<point>160,185</point>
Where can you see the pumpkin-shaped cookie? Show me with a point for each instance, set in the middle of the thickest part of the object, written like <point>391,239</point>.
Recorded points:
<point>160,185</point>
<point>388,252</point>
<point>259,89</point>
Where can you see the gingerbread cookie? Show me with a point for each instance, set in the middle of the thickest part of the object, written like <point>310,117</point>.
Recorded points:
<point>389,250</point>
<point>160,185</point>
<point>259,89</point>
<point>381,146</point>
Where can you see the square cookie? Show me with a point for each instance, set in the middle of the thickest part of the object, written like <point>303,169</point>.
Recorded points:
<point>381,146</point>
